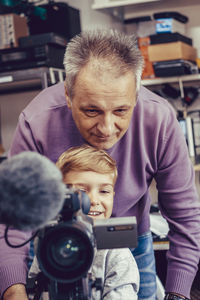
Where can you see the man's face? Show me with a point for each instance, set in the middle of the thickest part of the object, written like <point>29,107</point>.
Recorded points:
<point>99,187</point>
<point>102,106</point>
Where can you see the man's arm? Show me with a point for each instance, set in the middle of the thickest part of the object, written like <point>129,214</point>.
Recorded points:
<point>23,139</point>
<point>13,263</point>
<point>179,204</point>
<point>15,292</point>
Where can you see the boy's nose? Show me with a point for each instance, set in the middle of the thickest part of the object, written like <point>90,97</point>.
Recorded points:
<point>93,199</point>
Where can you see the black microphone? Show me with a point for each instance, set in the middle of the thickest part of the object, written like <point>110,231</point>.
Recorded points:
<point>31,191</point>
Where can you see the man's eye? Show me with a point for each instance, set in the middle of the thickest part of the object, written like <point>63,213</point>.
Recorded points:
<point>121,112</point>
<point>91,112</point>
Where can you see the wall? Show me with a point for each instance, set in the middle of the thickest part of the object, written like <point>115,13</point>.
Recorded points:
<point>11,105</point>
<point>91,18</point>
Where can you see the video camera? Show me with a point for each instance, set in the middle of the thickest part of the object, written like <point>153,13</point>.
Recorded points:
<point>65,249</point>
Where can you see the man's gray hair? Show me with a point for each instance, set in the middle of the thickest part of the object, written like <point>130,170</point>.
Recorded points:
<point>118,49</point>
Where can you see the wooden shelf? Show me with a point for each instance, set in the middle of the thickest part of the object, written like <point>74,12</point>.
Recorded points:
<point>29,78</point>
<point>116,8</point>
<point>174,79</point>
<point>101,4</point>
<point>180,80</point>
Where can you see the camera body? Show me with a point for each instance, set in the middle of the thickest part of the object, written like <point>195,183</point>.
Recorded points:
<point>65,247</point>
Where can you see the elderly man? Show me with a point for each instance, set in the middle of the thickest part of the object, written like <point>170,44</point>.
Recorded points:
<point>101,103</point>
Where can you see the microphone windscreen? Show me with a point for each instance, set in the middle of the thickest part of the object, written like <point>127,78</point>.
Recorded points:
<point>31,191</point>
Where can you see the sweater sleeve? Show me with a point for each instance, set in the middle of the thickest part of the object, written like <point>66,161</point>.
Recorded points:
<point>23,139</point>
<point>13,261</point>
<point>119,272</point>
<point>179,204</point>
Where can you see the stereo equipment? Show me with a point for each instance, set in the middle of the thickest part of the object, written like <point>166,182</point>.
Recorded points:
<point>41,39</point>
<point>49,55</point>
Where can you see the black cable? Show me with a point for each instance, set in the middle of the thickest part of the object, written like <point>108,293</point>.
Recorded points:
<point>20,245</point>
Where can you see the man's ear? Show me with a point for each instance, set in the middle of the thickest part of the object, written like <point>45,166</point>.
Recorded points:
<point>69,103</point>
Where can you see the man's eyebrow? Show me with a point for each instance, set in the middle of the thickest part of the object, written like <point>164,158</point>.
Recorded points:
<point>88,105</point>
<point>83,106</point>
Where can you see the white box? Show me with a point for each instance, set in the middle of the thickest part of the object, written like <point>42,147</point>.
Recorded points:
<point>169,25</point>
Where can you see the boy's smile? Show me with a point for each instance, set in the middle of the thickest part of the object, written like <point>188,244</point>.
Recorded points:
<point>99,187</point>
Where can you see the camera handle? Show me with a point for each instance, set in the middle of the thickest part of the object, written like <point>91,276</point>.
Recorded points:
<point>78,290</point>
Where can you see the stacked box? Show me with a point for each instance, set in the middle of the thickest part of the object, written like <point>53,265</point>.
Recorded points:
<point>171,51</point>
<point>169,25</point>
<point>143,44</point>
<point>12,27</point>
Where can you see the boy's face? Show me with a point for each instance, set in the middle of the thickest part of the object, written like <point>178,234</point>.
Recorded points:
<point>100,189</point>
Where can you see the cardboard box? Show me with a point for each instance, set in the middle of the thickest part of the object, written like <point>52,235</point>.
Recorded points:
<point>12,27</point>
<point>171,51</point>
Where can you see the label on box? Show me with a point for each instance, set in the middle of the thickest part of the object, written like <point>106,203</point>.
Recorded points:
<point>169,25</point>
<point>164,25</point>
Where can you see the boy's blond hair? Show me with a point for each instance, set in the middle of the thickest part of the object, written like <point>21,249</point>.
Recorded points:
<point>87,158</point>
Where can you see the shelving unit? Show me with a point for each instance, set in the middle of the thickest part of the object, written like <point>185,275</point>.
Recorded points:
<point>174,79</point>
<point>180,80</point>
<point>101,4</point>
<point>115,8</point>
<point>29,78</point>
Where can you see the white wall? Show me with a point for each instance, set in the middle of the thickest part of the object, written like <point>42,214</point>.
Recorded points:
<point>91,18</point>
<point>11,105</point>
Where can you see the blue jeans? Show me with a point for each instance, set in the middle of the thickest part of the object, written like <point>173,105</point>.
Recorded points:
<point>145,259</point>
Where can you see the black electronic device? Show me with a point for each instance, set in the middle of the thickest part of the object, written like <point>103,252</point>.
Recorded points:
<point>138,19</point>
<point>30,57</point>
<point>174,68</point>
<point>171,14</point>
<point>42,39</point>
<point>60,19</point>
<point>171,37</point>
<point>65,245</point>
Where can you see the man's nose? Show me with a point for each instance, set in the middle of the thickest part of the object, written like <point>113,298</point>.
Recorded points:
<point>106,125</point>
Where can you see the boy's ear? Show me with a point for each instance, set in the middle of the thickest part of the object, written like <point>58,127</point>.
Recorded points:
<point>69,103</point>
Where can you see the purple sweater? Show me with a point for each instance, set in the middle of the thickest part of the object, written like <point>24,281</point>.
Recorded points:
<point>153,147</point>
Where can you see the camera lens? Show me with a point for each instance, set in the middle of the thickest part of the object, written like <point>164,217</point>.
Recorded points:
<point>66,251</point>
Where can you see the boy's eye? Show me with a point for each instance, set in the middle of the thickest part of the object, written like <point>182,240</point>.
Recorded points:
<point>105,191</point>
<point>82,189</point>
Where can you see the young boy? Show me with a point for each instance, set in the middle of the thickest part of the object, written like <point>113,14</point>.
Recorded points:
<point>94,171</point>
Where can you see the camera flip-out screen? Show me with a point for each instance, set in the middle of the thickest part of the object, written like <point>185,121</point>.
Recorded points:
<point>116,233</point>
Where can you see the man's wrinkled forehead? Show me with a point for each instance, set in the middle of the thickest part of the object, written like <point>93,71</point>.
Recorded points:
<point>104,69</point>
<point>99,81</point>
